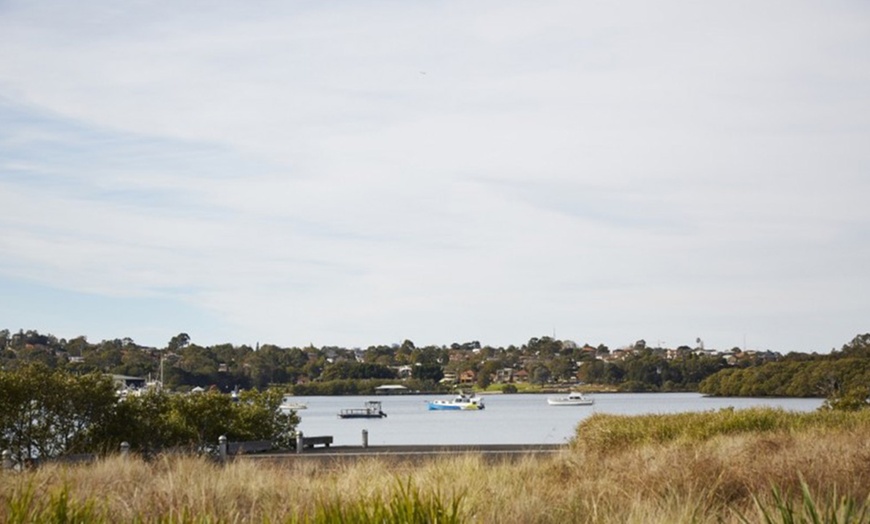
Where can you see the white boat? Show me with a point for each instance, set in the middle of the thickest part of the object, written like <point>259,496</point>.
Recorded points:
<point>575,398</point>
<point>290,404</point>
<point>459,402</point>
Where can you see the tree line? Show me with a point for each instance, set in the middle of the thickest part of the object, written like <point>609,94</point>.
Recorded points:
<point>842,377</point>
<point>183,364</point>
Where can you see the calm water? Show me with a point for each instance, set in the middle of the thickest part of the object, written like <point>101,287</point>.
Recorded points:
<point>507,419</point>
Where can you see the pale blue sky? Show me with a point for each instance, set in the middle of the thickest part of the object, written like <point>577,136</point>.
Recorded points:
<point>356,173</point>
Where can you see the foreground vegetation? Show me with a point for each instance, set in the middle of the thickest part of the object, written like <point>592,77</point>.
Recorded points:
<point>758,465</point>
<point>49,413</point>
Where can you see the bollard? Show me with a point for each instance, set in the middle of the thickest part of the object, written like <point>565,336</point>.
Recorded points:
<point>300,442</point>
<point>365,435</point>
<point>222,448</point>
<point>125,449</point>
<point>7,459</point>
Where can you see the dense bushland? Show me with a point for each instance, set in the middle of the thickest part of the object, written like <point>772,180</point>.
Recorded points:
<point>842,376</point>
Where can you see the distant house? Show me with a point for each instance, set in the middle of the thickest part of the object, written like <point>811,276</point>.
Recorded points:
<point>504,375</point>
<point>521,375</point>
<point>459,356</point>
<point>449,378</point>
<point>467,377</point>
<point>620,354</point>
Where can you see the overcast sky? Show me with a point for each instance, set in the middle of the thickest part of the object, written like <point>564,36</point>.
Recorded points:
<point>357,173</point>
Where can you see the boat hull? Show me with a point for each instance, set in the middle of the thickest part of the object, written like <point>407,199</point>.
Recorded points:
<point>556,402</point>
<point>434,406</point>
<point>362,415</point>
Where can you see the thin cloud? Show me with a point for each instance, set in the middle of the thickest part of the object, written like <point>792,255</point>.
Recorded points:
<point>288,174</point>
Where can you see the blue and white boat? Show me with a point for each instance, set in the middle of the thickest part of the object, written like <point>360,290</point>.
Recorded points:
<point>459,402</point>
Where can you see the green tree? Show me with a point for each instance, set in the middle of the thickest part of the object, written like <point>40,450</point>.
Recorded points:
<point>541,375</point>
<point>487,370</point>
<point>178,341</point>
<point>156,420</point>
<point>146,423</point>
<point>138,363</point>
<point>561,367</point>
<point>47,413</point>
<point>432,372</point>
<point>853,399</point>
<point>356,370</point>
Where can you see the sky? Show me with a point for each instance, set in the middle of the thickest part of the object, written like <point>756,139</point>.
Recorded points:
<point>363,173</point>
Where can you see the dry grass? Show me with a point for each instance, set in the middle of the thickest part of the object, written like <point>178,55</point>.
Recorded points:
<point>715,478</point>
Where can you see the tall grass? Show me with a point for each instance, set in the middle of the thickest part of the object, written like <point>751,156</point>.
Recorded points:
<point>606,433</point>
<point>711,467</point>
<point>23,508</point>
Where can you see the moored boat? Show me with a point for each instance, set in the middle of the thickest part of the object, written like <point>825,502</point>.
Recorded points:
<point>372,409</point>
<point>575,398</point>
<point>288,404</point>
<point>459,402</point>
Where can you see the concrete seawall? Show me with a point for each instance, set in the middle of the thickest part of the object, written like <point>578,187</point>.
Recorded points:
<point>337,455</point>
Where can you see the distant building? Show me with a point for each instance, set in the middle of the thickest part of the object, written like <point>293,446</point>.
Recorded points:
<point>467,377</point>
<point>449,378</point>
<point>123,382</point>
<point>504,375</point>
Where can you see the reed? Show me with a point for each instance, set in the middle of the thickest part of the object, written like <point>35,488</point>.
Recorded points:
<point>705,468</point>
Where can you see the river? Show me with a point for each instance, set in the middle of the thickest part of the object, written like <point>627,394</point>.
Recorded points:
<point>507,419</point>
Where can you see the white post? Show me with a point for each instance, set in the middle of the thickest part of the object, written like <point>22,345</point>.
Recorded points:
<point>300,442</point>
<point>365,438</point>
<point>222,447</point>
